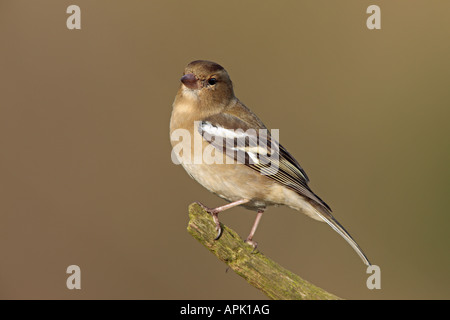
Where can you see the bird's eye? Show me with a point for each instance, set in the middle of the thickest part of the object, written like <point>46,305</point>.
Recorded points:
<point>212,81</point>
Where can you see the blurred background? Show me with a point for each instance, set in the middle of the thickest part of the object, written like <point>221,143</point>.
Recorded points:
<point>86,176</point>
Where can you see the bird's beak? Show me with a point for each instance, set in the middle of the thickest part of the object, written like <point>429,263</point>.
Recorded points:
<point>190,81</point>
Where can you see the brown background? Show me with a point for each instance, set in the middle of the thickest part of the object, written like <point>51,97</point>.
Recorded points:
<point>85,170</point>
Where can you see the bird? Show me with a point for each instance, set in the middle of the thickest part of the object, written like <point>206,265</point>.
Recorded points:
<point>247,166</point>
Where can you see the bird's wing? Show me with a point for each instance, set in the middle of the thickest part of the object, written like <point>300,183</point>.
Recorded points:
<point>256,148</point>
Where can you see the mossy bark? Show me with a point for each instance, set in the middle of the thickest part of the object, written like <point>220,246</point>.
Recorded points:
<point>260,271</point>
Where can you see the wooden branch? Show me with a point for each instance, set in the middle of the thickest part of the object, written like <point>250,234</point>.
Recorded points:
<point>260,271</point>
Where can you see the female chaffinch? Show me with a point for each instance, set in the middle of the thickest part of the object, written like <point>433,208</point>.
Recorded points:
<point>250,168</point>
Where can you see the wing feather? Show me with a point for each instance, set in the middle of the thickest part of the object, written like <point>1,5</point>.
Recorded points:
<point>257,150</point>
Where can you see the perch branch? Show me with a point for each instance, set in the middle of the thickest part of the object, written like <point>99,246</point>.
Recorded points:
<point>259,271</point>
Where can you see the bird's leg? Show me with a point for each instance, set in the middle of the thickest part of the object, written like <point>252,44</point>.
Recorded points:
<point>215,213</point>
<point>249,239</point>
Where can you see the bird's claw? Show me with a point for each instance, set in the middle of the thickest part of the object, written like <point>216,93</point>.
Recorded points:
<point>215,215</point>
<point>218,227</point>
<point>219,232</point>
<point>254,244</point>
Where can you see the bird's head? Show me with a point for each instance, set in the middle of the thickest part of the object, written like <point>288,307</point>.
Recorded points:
<point>207,82</point>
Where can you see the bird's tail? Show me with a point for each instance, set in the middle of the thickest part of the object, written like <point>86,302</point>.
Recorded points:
<point>327,217</point>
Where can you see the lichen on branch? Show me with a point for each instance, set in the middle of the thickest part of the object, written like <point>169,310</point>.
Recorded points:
<point>260,271</point>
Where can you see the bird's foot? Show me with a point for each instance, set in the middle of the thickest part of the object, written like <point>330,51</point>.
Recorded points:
<point>218,227</point>
<point>215,215</point>
<point>254,244</point>
<point>207,209</point>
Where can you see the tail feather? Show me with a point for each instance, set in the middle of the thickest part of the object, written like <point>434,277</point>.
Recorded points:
<point>333,223</point>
